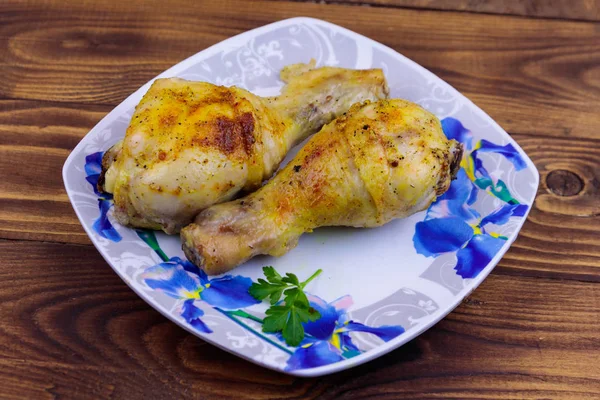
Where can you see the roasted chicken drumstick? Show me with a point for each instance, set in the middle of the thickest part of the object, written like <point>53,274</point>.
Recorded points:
<point>382,160</point>
<point>194,144</point>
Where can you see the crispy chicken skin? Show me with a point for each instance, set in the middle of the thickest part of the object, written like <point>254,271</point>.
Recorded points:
<point>382,160</point>
<point>193,144</point>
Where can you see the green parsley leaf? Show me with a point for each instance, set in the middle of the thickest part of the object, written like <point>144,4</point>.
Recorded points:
<point>291,279</point>
<point>264,289</point>
<point>293,331</point>
<point>276,319</point>
<point>288,316</point>
<point>309,315</point>
<point>272,275</point>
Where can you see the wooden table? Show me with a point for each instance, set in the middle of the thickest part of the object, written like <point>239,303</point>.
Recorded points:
<point>70,328</point>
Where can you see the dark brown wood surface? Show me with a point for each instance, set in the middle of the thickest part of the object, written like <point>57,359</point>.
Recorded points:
<point>70,328</point>
<point>588,10</point>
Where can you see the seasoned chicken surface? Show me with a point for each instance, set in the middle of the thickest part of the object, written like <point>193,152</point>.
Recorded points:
<point>382,160</point>
<point>193,144</point>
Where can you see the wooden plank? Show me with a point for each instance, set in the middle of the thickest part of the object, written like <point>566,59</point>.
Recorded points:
<point>71,327</point>
<point>23,379</point>
<point>533,76</point>
<point>35,140</point>
<point>36,137</point>
<point>561,235</point>
<point>586,10</point>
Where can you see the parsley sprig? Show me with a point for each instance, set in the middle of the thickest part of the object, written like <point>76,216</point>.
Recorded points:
<point>287,316</point>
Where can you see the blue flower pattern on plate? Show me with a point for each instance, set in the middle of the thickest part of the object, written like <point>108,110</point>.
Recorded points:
<point>102,226</point>
<point>451,224</point>
<point>182,280</point>
<point>328,339</point>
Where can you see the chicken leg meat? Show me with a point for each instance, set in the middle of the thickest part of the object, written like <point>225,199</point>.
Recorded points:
<point>194,144</point>
<point>380,161</point>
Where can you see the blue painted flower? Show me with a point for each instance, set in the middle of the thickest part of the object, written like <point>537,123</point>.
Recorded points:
<point>328,339</point>
<point>454,129</point>
<point>183,280</point>
<point>473,165</point>
<point>451,225</point>
<point>93,167</point>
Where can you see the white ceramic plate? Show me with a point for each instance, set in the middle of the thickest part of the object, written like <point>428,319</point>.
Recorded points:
<point>380,287</point>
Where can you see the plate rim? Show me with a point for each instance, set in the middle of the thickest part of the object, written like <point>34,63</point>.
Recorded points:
<point>383,348</point>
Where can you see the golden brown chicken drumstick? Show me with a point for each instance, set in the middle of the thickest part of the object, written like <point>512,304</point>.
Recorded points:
<point>193,144</point>
<point>380,161</point>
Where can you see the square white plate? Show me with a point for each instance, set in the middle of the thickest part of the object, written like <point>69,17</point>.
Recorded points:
<point>380,287</point>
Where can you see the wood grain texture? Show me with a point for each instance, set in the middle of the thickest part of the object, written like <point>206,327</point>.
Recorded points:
<point>72,328</point>
<point>35,140</point>
<point>587,10</point>
<point>564,183</point>
<point>532,76</point>
<point>562,233</point>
